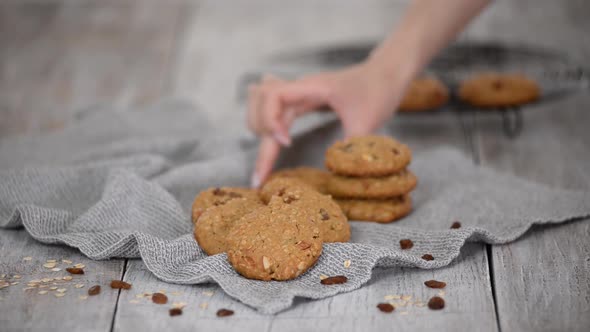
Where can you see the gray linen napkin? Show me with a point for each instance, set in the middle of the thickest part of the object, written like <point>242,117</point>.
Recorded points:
<point>120,184</point>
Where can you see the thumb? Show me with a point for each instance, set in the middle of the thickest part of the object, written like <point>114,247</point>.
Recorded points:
<point>268,153</point>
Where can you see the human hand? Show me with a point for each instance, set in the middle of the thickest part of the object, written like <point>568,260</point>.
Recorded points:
<point>362,96</point>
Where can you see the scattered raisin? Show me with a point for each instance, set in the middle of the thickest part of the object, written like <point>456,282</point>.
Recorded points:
<point>159,298</point>
<point>435,284</point>
<point>436,303</point>
<point>456,225</point>
<point>75,270</point>
<point>427,257</point>
<point>406,244</point>
<point>386,307</point>
<point>325,215</point>
<point>395,151</point>
<point>334,280</point>
<point>119,284</point>
<point>224,312</point>
<point>94,290</point>
<point>497,85</point>
<point>175,312</point>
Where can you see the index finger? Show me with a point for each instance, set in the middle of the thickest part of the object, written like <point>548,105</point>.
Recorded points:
<point>268,152</point>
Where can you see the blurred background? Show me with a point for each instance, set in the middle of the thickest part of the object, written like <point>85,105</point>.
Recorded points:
<point>59,58</point>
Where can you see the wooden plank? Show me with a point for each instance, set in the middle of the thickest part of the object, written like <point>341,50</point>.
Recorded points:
<point>27,310</point>
<point>542,281</point>
<point>59,59</point>
<point>469,305</point>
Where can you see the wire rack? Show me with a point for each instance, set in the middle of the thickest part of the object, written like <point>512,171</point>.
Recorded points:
<point>556,73</point>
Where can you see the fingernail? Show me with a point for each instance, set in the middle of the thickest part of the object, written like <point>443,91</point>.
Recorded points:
<point>255,181</point>
<point>283,140</point>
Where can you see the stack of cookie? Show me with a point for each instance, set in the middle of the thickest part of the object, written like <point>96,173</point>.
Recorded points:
<point>370,180</point>
<point>272,234</point>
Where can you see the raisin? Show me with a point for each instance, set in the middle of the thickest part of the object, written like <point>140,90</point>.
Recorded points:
<point>334,280</point>
<point>175,312</point>
<point>94,290</point>
<point>436,303</point>
<point>224,312</point>
<point>119,284</point>
<point>497,85</point>
<point>406,244</point>
<point>456,225</point>
<point>386,307</point>
<point>218,192</point>
<point>435,284</point>
<point>427,257</point>
<point>159,298</point>
<point>75,270</point>
<point>325,215</point>
<point>395,151</point>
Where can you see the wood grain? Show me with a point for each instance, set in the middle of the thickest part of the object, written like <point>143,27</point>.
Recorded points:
<point>469,305</point>
<point>26,310</point>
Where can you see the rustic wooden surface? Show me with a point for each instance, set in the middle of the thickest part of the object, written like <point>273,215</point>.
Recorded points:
<point>58,58</point>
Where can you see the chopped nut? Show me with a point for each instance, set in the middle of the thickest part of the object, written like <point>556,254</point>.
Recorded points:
<point>61,290</point>
<point>179,304</point>
<point>436,303</point>
<point>303,245</point>
<point>323,276</point>
<point>435,284</point>
<point>16,276</point>
<point>49,265</point>
<point>51,261</point>
<point>403,313</point>
<point>133,301</point>
<point>28,258</point>
<point>56,269</point>
<point>208,293</point>
<point>386,307</point>
<point>392,297</point>
<point>15,283</point>
<point>119,284</point>
<point>265,262</point>
<point>406,244</point>
<point>53,288</point>
<point>159,298</point>
<point>42,292</point>
<point>79,285</point>
<point>224,312</point>
<point>301,266</point>
<point>80,265</point>
<point>75,270</point>
<point>334,280</point>
<point>94,290</point>
<point>406,297</point>
<point>59,294</point>
<point>67,278</point>
<point>46,279</point>
<point>83,297</point>
<point>66,261</point>
<point>347,263</point>
<point>175,312</point>
<point>204,305</point>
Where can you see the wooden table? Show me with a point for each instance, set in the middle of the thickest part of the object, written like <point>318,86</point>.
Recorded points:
<point>57,58</point>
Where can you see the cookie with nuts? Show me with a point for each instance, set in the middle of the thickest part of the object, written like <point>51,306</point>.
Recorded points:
<point>213,226</point>
<point>382,211</point>
<point>314,177</point>
<point>332,221</point>
<point>496,90</point>
<point>219,196</point>
<point>423,94</point>
<point>367,156</point>
<point>396,184</point>
<point>275,242</point>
